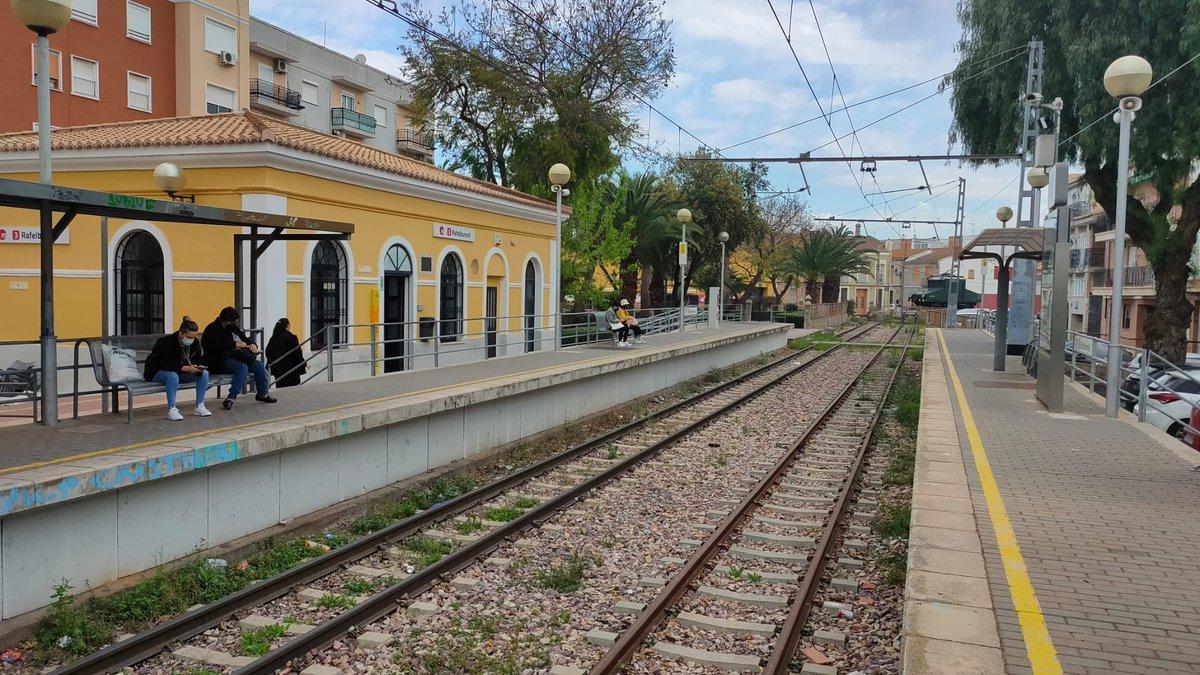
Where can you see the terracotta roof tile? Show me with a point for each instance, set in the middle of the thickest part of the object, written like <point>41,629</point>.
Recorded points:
<point>250,127</point>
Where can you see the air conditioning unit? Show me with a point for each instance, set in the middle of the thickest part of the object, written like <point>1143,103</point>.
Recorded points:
<point>281,65</point>
<point>227,58</point>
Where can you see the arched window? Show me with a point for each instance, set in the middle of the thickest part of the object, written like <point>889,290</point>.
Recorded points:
<point>450,306</point>
<point>139,285</point>
<point>328,285</point>
<point>397,260</point>
<point>531,296</point>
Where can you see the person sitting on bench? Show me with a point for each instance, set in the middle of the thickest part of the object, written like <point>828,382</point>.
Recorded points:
<point>616,325</point>
<point>630,321</point>
<point>178,359</point>
<point>228,350</point>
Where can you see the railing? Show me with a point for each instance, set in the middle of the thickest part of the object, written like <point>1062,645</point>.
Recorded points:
<point>345,118</point>
<point>1102,223</point>
<point>419,141</point>
<point>1085,258</point>
<point>281,95</point>
<point>1141,275</point>
<point>1097,256</point>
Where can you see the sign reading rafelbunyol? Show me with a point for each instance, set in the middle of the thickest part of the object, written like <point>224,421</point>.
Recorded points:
<point>29,235</point>
<point>453,232</point>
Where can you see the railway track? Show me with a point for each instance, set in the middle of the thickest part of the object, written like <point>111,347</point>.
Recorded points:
<point>375,562</point>
<point>746,593</point>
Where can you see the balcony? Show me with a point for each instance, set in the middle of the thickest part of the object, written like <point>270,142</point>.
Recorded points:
<point>416,143</point>
<point>352,123</point>
<point>1142,275</point>
<point>272,98</point>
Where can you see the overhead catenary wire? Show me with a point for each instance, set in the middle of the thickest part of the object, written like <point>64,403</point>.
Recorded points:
<point>893,92</point>
<point>816,98</point>
<point>896,199</point>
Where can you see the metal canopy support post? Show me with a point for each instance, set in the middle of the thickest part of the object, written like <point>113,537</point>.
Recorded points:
<point>1000,348</point>
<point>49,342</point>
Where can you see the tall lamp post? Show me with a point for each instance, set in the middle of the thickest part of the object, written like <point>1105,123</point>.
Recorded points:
<point>1125,79</point>
<point>1000,329</point>
<point>45,17</point>
<point>684,216</point>
<point>723,237</point>
<point>559,174</point>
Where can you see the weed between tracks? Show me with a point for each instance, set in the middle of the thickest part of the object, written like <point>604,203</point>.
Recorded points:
<point>896,438</point>
<point>258,641</point>
<point>74,627</point>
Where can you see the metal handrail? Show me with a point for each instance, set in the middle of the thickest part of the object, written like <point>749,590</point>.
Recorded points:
<point>347,117</point>
<point>421,138</point>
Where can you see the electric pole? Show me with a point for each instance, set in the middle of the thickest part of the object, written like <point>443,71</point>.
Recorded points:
<point>1020,314</point>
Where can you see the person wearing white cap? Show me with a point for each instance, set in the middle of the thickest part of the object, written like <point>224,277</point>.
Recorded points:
<point>629,321</point>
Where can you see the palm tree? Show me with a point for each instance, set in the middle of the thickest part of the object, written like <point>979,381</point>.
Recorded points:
<point>821,259</point>
<point>650,209</point>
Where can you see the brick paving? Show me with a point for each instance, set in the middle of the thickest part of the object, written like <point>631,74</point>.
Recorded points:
<point>1107,519</point>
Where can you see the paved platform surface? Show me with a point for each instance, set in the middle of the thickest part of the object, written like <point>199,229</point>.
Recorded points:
<point>31,446</point>
<point>1106,519</point>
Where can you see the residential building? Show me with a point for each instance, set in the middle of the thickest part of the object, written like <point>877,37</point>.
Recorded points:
<point>430,246</point>
<point>1087,220</point>
<point>127,60</point>
<point>320,89</point>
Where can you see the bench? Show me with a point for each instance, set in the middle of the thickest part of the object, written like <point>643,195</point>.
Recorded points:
<point>20,383</point>
<point>140,345</point>
<point>602,326</point>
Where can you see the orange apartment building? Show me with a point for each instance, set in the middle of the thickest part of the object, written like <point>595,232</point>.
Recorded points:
<point>121,60</point>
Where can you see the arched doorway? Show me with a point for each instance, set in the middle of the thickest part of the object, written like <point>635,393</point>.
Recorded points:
<point>397,271</point>
<point>530,306</point>
<point>450,298</point>
<point>328,286</point>
<point>139,285</point>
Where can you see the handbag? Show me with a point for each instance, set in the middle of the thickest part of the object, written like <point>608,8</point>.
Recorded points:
<point>244,355</point>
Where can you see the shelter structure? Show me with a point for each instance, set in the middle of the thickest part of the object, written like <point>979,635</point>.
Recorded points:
<point>1027,243</point>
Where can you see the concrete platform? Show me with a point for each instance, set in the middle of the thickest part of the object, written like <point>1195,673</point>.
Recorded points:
<point>96,499</point>
<point>1045,542</point>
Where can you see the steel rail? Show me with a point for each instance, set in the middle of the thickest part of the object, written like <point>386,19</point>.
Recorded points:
<point>779,662</point>
<point>646,622</point>
<point>389,599</point>
<point>153,640</point>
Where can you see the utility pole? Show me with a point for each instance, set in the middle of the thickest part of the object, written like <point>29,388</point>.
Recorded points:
<point>955,263</point>
<point>1020,314</point>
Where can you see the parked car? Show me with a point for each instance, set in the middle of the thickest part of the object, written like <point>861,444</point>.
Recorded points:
<point>1170,407</point>
<point>1129,388</point>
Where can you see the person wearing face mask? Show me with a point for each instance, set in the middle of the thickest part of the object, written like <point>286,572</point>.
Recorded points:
<point>178,359</point>
<point>228,350</point>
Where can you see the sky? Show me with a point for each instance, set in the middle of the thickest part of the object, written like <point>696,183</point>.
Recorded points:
<point>736,78</point>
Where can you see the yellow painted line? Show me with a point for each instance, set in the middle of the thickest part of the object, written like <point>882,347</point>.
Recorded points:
<point>1042,657</point>
<point>320,411</point>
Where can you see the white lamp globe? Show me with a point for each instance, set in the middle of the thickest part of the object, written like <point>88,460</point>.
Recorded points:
<point>1128,76</point>
<point>43,16</point>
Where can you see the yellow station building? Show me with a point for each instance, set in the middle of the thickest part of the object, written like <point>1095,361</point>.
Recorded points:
<point>429,245</point>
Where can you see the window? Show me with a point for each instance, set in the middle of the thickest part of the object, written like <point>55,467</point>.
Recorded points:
<point>450,295</point>
<point>55,68</point>
<point>970,274</point>
<point>85,11</point>
<point>139,285</point>
<point>347,101</point>
<point>139,92</point>
<point>328,282</point>
<point>85,78</point>
<point>1126,315</point>
<point>266,72</point>
<point>309,92</point>
<point>137,21</point>
<point>380,116</point>
<point>219,37</point>
<point>219,99</point>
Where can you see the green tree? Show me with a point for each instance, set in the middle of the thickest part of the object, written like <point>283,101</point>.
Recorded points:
<point>721,197</point>
<point>650,209</point>
<point>518,85</point>
<point>822,258</point>
<point>1081,37</point>
<point>784,218</point>
<point>595,241</point>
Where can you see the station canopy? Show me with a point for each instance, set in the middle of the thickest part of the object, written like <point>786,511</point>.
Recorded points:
<point>1027,241</point>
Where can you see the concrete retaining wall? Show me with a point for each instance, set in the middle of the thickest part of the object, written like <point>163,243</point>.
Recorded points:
<point>294,468</point>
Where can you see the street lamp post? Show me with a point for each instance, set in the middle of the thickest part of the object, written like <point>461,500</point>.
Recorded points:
<point>45,17</point>
<point>684,216</point>
<point>723,237</point>
<point>1125,79</point>
<point>559,174</point>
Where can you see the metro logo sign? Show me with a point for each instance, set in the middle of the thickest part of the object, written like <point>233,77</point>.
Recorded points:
<point>443,231</point>
<point>28,235</point>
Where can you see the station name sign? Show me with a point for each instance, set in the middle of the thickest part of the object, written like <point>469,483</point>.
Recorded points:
<point>29,235</point>
<point>453,232</point>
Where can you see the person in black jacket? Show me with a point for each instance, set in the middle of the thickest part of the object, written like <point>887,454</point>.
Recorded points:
<point>228,350</point>
<point>178,359</point>
<point>283,355</point>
